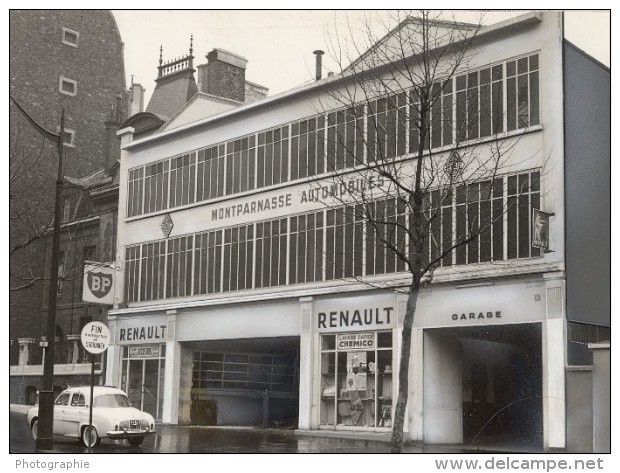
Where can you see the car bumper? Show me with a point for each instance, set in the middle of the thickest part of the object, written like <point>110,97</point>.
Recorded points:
<point>126,434</point>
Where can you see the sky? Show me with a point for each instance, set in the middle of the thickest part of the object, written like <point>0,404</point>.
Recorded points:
<point>279,44</point>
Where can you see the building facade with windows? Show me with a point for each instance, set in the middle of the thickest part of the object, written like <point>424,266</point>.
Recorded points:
<point>254,292</point>
<point>71,60</point>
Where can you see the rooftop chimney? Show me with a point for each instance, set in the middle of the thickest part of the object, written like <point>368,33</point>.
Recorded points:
<point>224,75</point>
<point>319,63</point>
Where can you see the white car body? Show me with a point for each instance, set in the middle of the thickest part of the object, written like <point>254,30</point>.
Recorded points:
<point>71,415</point>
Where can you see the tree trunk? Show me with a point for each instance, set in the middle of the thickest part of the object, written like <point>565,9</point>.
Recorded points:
<point>403,371</point>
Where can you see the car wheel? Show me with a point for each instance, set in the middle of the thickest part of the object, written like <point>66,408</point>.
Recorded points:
<point>90,437</point>
<point>35,429</point>
<point>135,441</point>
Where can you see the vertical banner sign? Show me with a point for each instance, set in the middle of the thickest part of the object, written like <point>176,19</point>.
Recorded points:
<point>98,286</point>
<point>540,229</point>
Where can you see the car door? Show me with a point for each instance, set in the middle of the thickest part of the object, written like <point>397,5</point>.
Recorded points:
<point>74,412</point>
<point>60,406</point>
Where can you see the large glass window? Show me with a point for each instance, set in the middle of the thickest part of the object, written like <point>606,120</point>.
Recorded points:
<point>356,379</point>
<point>478,104</point>
<point>132,273</point>
<point>182,180</point>
<point>523,195</point>
<point>522,93</point>
<point>345,138</point>
<point>240,165</point>
<point>156,187</point>
<point>386,238</point>
<point>210,173</point>
<point>208,263</point>
<point>134,198</point>
<point>344,242</point>
<point>179,267</point>
<point>238,258</point>
<point>271,255</point>
<point>273,162</point>
<point>306,248</point>
<point>153,271</point>
<point>475,223</point>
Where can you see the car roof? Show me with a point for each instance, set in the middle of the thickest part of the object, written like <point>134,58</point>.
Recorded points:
<point>98,390</point>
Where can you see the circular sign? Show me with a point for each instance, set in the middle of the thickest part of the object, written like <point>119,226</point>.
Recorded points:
<point>95,337</point>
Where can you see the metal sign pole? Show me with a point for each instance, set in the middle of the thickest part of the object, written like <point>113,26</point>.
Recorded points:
<point>92,399</point>
<point>95,340</point>
<point>44,439</point>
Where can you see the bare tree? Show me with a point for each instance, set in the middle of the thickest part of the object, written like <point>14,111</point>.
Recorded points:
<point>32,161</point>
<point>416,131</point>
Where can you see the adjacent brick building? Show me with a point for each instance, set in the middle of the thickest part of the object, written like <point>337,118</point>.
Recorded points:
<point>71,60</point>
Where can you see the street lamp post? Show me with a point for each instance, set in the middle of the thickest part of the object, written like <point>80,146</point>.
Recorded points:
<point>46,395</point>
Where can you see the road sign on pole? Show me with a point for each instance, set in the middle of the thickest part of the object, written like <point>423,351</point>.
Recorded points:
<point>95,337</point>
<point>95,340</point>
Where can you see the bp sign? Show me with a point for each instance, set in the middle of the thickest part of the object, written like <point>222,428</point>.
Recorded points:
<point>95,337</point>
<point>98,285</point>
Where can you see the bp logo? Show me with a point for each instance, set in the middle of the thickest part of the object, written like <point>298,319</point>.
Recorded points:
<point>99,283</point>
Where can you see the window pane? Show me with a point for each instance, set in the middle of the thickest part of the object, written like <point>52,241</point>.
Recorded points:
<point>534,108</point>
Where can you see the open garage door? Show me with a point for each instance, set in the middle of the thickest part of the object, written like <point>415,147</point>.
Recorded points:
<point>248,382</point>
<point>483,386</point>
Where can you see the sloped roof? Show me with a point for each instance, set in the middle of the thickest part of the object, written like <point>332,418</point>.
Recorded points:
<point>87,181</point>
<point>503,27</point>
<point>406,35</point>
<point>172,93</point>
<point>201,105</point>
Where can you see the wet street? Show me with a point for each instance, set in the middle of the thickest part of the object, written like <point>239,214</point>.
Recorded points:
<point>182,439</point>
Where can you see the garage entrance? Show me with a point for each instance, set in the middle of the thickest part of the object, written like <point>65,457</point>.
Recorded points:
<point>483,386</point>
<point>253,382</point>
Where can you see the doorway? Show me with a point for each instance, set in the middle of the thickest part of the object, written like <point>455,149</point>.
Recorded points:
<point>245,382</point>
<point>143,378</point>
<point>490,379</point>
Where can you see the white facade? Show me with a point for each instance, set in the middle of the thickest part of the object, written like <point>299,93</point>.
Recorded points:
<point>514,301</point>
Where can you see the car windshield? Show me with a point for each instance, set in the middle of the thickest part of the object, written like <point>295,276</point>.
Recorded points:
<point>111,400</point>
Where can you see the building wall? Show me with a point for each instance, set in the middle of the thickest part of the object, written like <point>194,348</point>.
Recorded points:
<point>588,187</point>
<point>96,64</point>
<point>70,308</point>
<point>601,388</point>
<point>38,58</point>
<point>533,286</point>
<point>579,404</point>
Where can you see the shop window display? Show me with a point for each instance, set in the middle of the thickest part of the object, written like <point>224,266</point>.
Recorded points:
<point>356,380</point>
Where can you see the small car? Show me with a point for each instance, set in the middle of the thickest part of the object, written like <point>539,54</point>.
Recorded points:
<point>113,416</point>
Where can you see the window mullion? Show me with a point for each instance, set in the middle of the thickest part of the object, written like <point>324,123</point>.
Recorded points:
<point>505,96</point>
<point>505,216</point>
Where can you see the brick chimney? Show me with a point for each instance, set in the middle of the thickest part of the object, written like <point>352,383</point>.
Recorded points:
<point>136,99</point>
<point>112,144</point>
<point>223,75</point>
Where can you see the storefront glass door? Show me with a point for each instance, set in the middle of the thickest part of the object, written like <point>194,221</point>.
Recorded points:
<point>143,375</point>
